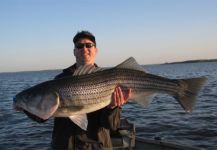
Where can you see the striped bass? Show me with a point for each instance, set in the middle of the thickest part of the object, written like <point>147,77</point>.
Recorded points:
<point>90,89</point>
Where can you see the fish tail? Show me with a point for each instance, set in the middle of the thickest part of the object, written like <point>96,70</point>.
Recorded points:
<point>189,90</point>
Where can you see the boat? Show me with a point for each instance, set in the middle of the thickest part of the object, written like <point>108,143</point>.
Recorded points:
<point>126,140</point>
<point>147,144</point>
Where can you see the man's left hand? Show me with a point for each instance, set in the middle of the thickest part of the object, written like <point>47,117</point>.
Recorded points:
<point>119,97</point>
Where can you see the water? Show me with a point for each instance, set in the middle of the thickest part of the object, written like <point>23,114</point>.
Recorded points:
<point>163,118</point>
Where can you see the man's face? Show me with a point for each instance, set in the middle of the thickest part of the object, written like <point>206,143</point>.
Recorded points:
<point>85,52</point>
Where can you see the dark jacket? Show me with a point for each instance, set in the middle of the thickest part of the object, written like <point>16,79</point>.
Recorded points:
<point>100,124</point>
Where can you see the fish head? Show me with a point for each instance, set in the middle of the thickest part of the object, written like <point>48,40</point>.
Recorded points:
<point>37,101</point>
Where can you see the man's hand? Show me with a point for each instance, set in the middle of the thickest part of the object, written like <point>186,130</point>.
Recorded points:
<point>119,97</point>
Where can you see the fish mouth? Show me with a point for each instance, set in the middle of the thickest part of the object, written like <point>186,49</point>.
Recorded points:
<point>30,115</point>
<point>15,106</point>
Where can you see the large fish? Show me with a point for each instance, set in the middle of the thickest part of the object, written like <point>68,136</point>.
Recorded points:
<point>90,89</point>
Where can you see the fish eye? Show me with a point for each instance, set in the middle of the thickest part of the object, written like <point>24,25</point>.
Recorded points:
<point>28,96</point>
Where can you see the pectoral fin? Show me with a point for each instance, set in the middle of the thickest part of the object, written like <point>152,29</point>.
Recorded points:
<point>48,106</point>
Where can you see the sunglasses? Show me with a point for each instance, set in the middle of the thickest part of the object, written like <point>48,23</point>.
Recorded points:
<point>81,45</point>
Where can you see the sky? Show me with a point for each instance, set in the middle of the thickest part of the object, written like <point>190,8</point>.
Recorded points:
<point>37,34</point>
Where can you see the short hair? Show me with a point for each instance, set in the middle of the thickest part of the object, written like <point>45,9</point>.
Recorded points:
<point>84,35</point>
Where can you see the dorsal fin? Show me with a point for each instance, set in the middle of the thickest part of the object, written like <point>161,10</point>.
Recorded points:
<point>86,69</point>
<point>130,63</point>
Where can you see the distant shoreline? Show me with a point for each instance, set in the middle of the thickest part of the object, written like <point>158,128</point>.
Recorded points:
<point>192,61</point>
<point>179,62</point>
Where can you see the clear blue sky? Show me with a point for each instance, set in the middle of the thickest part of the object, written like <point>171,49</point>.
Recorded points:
<point>37,34</point>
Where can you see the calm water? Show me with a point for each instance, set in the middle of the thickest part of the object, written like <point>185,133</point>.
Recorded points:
<point>163,118</point>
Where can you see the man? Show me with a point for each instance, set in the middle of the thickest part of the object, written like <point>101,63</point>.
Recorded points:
<point>101,122</point>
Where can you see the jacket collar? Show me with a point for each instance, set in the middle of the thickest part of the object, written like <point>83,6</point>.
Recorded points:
<point>72,68</point>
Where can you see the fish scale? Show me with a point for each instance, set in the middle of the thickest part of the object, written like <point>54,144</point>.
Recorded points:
<point>97,86</point>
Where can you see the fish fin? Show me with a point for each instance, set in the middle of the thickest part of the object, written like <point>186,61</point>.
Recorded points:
<point>80,120</point>
<point>143,99</point>
<point>130,63</point>
<point>86,69</point>
<point>190,89</point>
<point>48,106</point>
